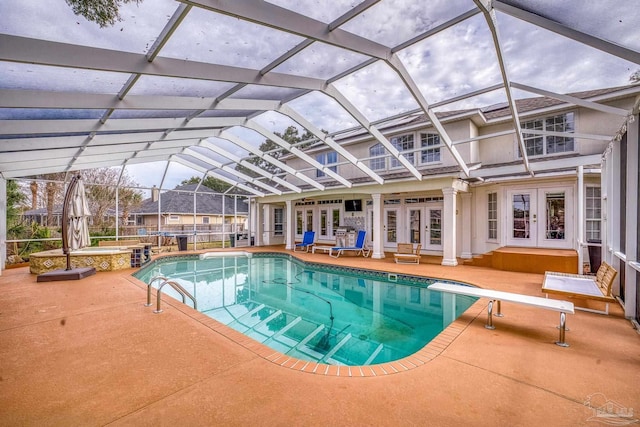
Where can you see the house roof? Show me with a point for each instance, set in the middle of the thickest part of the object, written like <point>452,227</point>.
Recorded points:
<point>181,199</point>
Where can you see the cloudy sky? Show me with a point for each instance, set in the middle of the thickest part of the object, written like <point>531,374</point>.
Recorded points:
<point>454,62</point>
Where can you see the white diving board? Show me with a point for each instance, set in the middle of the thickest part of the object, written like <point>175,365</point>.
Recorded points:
<point>563,307</point>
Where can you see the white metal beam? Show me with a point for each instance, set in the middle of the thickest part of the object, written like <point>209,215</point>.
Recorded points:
<point>396,64</point>
<point>221,151</point>
<point>571,33</point>
<point>285,109</point>
<point>273,16</point>
<point>568,163</point>
<point>33,51</point>
<point>49,127</point>
<point>190,164</point>
<point>572,100</point>
<point>268,158</point>
<point>490,17</point>
<point>191,152</point>
<point>251,124</point>
<point>334,93</point>
<point>82,100</point>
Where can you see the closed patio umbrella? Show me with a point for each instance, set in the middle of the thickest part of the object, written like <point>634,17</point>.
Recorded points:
<point>78,216</point>
<point>75,232</point>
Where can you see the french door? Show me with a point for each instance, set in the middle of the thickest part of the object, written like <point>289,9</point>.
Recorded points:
<point>425,227</point>
<point>540,217</point>
<point>304,221</point>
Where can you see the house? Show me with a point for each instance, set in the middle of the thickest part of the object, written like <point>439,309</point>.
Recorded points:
<point>173,210</point>
<point>476,193</point>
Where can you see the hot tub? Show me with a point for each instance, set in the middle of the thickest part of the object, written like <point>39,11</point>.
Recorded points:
<point>101,258</point>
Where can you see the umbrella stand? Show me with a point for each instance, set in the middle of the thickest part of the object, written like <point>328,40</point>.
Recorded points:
<point>69,273</point>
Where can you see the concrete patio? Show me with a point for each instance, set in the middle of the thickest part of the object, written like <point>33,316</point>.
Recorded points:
<point>90,353</point>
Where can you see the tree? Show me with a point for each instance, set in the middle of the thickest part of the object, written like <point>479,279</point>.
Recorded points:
<point>100,186</point>
<point>215,184</point>
<point>103,12</point>
<point>15,200</point>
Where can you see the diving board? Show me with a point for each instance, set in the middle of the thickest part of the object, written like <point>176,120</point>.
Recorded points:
<point>563,307</point>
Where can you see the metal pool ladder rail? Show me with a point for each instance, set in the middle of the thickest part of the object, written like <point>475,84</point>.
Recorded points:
<point>175,285</point>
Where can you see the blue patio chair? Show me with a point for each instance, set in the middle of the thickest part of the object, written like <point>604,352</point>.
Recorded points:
<point>358,248</point>
<point>307,241</point>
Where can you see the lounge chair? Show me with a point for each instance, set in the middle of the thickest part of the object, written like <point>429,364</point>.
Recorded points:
<point>406,255</point>
<point>307,241</point>
<point>358,248</point>
<point>596,287</point>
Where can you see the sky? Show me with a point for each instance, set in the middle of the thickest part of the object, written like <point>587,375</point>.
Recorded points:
<point>456,61</point>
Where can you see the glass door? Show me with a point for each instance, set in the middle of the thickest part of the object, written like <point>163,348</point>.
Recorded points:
<point>523,218</point>
<point>434,229</point>
<point>415,225</point>
<point>391,227</point>
<point>541,218</point>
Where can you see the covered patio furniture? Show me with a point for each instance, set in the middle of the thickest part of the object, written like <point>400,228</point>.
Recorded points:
<point>406,255</point>
<point>596,287</point>
<point>307,241</point>
<point>358,248</point>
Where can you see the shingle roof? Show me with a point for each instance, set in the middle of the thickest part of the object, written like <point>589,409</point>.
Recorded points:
<point>180,201</point>
<point>523,105</point>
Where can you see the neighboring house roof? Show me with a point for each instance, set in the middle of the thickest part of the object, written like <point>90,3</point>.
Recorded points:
<point>180,201</point>
<point>57,210</point>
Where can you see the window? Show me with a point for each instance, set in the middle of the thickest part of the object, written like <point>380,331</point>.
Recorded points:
<point>329,159</point>
<point>593,213</point>
<point>335,218</point>
<point>323,222</point>
<point>430,141</point>
<point>377,157</point>
<point>492,215</point>
<point>537,144</point>
<point>205,220</point>
<point>402,143</point>
<point>278,222</point>
<point>298,222</point>
<point>174,218</point>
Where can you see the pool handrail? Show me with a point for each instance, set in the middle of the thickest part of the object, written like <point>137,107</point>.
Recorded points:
<point>175,285</point>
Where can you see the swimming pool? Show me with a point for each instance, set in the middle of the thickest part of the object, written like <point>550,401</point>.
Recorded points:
<point>315,312</point>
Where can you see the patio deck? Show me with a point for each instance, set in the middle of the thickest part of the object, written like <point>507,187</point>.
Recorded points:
<point>90,353</point>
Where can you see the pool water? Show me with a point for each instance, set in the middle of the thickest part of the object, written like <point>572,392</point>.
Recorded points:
<point>310,311</point>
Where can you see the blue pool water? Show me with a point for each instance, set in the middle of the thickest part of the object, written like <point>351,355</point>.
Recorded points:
<point>322,313</point>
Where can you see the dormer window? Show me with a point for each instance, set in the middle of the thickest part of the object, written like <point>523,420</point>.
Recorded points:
<point>539,142</point>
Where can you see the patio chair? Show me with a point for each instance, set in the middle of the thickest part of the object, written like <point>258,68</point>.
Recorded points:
<point>358,248</point>
<point>406,255</point>
<point>596,287</point>
<point>307,241</point>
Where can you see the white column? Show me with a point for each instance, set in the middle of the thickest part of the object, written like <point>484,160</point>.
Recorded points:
<point>257,226</point>
<point>3,223</point>
<point>378,212</point>
<point>467,225</point>
<point>581,241</point>
<point>291,225</point>
<point>449,234</point>
<point>267,232</point>
<point>631,238</point>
